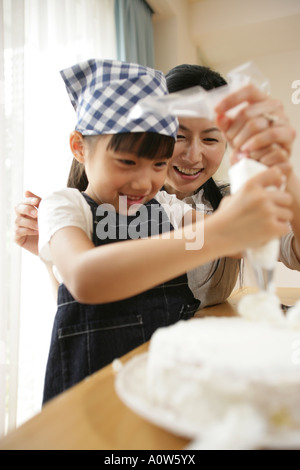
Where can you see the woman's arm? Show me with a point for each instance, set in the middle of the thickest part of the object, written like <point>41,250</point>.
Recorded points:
<point>26,225</point>
<point>120,270</point>
<point>27,232</point>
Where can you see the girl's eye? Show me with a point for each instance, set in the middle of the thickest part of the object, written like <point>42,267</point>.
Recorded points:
<point>160,164</point>
<point>180,137</point>
<point>127,162</point>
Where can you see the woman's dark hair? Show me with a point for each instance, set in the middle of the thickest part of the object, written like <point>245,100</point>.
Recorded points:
<point>186,76</point>
<point>142,144</point>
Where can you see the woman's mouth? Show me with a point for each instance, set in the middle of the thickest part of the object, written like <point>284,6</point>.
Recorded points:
<point>188,173</point>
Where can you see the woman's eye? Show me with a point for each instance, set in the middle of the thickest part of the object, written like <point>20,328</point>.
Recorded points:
<point>210,139</point>
<point>180,137</point>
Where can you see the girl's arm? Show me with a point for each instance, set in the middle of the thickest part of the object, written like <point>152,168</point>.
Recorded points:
<point>119,270</point>
<point>54,281</point>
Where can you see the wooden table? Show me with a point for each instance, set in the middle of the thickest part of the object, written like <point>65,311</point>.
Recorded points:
<point>91,416</point>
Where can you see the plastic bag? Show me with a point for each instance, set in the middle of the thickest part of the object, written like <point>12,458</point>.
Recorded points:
<point>197,102</point>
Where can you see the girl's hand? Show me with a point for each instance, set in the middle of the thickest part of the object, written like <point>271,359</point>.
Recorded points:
<point>26,223</point>
<point>260,130</point>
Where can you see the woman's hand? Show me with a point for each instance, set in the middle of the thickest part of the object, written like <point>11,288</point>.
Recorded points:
<point>26,223</point>
<point>260,130</point>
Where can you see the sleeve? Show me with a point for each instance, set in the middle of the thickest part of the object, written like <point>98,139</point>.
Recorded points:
<point>175,208</point>
<point>212,283</point>
<point>287,255</point>
<point>64,208</point>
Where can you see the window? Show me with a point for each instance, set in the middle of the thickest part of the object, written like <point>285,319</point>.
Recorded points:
<point>39,38</point>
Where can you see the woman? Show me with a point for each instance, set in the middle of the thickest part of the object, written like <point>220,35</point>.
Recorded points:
<point>198,153</point>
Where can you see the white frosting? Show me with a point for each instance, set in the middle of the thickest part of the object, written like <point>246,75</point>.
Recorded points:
<point>242,428</point>
<point>293,316</point>
<point>266,307</point>
<point>202,368</point>
<point>262,306</point>
<point>265,256</point>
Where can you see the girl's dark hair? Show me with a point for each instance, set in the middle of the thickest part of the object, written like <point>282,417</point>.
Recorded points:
<point>187,76</point>
<point>77,177</point>
<point>143,144</point>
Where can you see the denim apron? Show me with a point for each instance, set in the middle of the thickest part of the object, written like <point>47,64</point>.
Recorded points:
<point>87,337</point>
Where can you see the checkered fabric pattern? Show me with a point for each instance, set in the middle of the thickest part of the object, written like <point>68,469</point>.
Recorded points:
<point>103,93</point>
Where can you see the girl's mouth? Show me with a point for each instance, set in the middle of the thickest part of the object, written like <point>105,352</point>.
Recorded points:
<point>131,199</point>
<point>188,173</point>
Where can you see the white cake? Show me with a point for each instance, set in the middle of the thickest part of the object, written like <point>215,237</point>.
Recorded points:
<point>202,368</point>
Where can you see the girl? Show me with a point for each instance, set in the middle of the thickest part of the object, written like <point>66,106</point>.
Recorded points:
<point>115,291</point>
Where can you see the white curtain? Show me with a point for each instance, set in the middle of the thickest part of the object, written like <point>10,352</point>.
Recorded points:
<point>38,38</point>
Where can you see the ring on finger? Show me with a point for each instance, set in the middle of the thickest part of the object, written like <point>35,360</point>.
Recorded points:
<point>271,118</point>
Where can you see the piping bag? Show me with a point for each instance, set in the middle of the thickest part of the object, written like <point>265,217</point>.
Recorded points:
<point>198,102</point>
<point>262,259</point>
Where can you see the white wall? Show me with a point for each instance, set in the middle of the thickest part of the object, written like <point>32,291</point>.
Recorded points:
<point>172,38</point>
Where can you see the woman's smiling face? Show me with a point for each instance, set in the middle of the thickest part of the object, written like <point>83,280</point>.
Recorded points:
<point>197,155</point>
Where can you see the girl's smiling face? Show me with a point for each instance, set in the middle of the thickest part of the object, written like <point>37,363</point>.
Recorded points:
<point>114,174</point>
<point>197,155</point>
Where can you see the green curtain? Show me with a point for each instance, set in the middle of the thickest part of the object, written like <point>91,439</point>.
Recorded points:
<point>134,32</point>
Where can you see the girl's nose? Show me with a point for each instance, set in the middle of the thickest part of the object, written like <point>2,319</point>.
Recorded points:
<point>142,181</point>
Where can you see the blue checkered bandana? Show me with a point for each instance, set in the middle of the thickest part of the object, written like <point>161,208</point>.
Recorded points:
<point>103,93</point>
